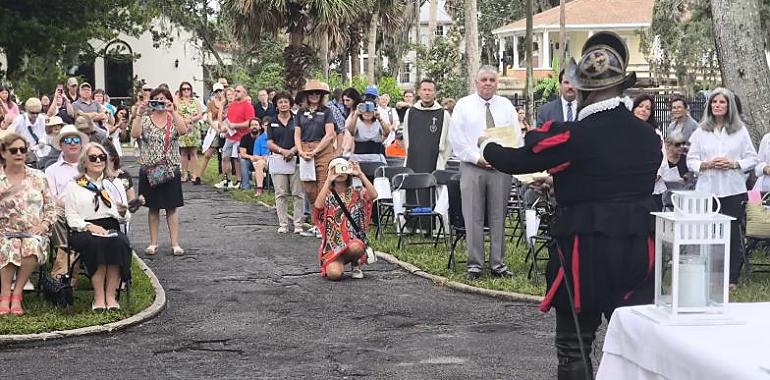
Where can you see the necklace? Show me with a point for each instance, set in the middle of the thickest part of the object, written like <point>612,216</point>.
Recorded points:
<point>604,105</point>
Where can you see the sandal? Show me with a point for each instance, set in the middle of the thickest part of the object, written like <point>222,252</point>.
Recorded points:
<point>151,250</point>
<point>177,250</point>
<point>17,311</point>
<point>6,309</point>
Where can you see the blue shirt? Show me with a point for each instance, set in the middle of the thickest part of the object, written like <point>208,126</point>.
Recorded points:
<point>260,146</point>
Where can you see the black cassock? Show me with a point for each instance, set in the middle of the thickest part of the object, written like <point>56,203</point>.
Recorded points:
<point>604,169</point>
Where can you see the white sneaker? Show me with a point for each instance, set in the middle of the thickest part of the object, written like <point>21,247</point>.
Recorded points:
<point>356,273</point>
<point>221,185</point>
<point>309,233</point>
<point>283,230</point>
<point>234,185</point>
<point>298,230</point>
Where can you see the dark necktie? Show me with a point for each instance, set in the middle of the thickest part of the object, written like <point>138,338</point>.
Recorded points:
<point>569,111</point>
<point>490,119</point>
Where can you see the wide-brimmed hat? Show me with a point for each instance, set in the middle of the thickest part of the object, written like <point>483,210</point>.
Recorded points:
<point>603,64</point>
<point>69,130</point>
<point>316,85</point>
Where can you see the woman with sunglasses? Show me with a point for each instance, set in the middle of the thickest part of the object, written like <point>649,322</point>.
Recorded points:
<point>158,129</point>
<point>95,206</point>
<point>189,108</point>
<point>27,211</point>
<point>673,173</point>
<point>314,136</point>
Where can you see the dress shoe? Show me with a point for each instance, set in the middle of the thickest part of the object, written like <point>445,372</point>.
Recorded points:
<point>473,276</point>
<point>504,273</point>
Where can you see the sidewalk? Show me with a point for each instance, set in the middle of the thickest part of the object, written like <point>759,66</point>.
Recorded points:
<point>246,302</point>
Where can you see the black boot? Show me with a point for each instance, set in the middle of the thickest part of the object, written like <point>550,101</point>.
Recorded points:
<point>572,366</point>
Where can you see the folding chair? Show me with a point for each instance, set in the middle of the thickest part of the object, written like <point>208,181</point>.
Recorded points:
<point>384,206</point>
<point>544,210</point>
<point>420,189</point>
<point>369,168</point>
<point>453,166</point>
<point>395,161</point>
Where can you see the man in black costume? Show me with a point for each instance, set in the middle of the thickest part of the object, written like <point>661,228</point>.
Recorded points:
<point>604,167</point>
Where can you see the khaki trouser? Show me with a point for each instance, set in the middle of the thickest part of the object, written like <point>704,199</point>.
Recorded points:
<point>59,234</point>
<point>288,185</point>
<point>322,160</point>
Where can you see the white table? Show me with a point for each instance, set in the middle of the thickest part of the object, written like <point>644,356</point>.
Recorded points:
<point>635,347</point>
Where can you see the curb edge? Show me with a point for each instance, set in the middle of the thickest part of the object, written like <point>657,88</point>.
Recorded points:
<point>152,311</point>
<point>454,285</point>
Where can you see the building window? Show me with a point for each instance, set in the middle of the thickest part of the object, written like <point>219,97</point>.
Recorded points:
<point>406,73</point>
<point>439,30</point>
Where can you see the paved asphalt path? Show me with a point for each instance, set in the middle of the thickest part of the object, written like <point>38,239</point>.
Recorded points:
<point>246,302</point>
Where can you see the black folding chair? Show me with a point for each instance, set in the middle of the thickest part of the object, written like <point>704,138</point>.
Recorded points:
<point>420,188</point>
<point>384,206</point>
<point>453,166</point>
<point>369,168</point>
<point>545,211</point>
<point>395,161</point>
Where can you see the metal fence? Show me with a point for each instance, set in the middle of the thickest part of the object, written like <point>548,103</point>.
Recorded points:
<point>661,108</point>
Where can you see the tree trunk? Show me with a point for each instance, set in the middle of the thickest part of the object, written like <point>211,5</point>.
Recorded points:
<point>355,54</point>
<point>432,23</point>
<point>324,54</point>
<point>530,84</point>
<point>472,58</point>
<point>14,57</point>
<point>563,33</point>
<point>740,41</point>
<point>417,76</point>
<point>371,46</point>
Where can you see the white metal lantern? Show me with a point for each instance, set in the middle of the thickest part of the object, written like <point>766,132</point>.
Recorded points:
<point>692,256</point>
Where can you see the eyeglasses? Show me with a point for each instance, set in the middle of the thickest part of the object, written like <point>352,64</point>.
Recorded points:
<point>15,150</point>
<point>72,140</point>
<point>681,144</point>
<point>97,157</point>
<point>319,93</point>
<point>186,89</point>
<point>33,113</point>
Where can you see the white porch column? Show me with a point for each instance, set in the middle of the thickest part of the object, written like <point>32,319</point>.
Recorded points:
<point>515,52</point>
<point>501,53</point>
<point>545,50</point>
<point>99,78</point>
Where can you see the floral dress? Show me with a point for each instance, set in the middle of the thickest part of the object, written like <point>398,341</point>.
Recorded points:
<point>30,206</point>
<point>191,139</point>
<point>335,227</point>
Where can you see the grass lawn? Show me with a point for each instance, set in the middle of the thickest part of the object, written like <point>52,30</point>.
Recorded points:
<point>42,316</point>
<point>754,288</point>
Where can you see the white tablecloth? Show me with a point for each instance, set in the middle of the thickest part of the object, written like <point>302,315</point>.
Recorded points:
<point>636,347</point>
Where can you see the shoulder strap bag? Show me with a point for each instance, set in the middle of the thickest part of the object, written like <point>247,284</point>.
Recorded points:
<point>162,172</point>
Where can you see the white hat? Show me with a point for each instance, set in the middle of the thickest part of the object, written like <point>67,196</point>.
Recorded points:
<point>69,130</point>
<point>217,87</point>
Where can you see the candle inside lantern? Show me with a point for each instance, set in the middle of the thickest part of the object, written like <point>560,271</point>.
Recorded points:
<point>692,281</point>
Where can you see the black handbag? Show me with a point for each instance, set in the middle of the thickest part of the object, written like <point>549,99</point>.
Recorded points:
<point>57,291</point>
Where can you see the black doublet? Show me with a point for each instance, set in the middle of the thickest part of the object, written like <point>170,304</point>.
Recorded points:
<point>604,169</point>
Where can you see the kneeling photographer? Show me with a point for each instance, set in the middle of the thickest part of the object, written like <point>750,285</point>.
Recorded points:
<point>343,216</point>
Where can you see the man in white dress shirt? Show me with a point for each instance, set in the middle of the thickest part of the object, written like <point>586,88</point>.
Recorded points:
<point>562,109</point>
<point>484,190</point>
<point>70,141</point>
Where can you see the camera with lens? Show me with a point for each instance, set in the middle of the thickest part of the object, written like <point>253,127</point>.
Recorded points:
<point>345,168</point>
<point>157,105</point>
<point>367,107</point>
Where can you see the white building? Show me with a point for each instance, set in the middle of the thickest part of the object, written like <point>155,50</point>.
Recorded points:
<point>113,71</point>
<point>407,72</point>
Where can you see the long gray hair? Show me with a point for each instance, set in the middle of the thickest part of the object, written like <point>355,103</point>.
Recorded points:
<point>732,122</point>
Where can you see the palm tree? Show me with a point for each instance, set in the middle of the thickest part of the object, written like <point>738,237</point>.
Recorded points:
<point>472,56</point>
<point>389,16</point>
<point>251,20</point>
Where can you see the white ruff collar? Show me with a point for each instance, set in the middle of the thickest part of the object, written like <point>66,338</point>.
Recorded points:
<point>604,105</point>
